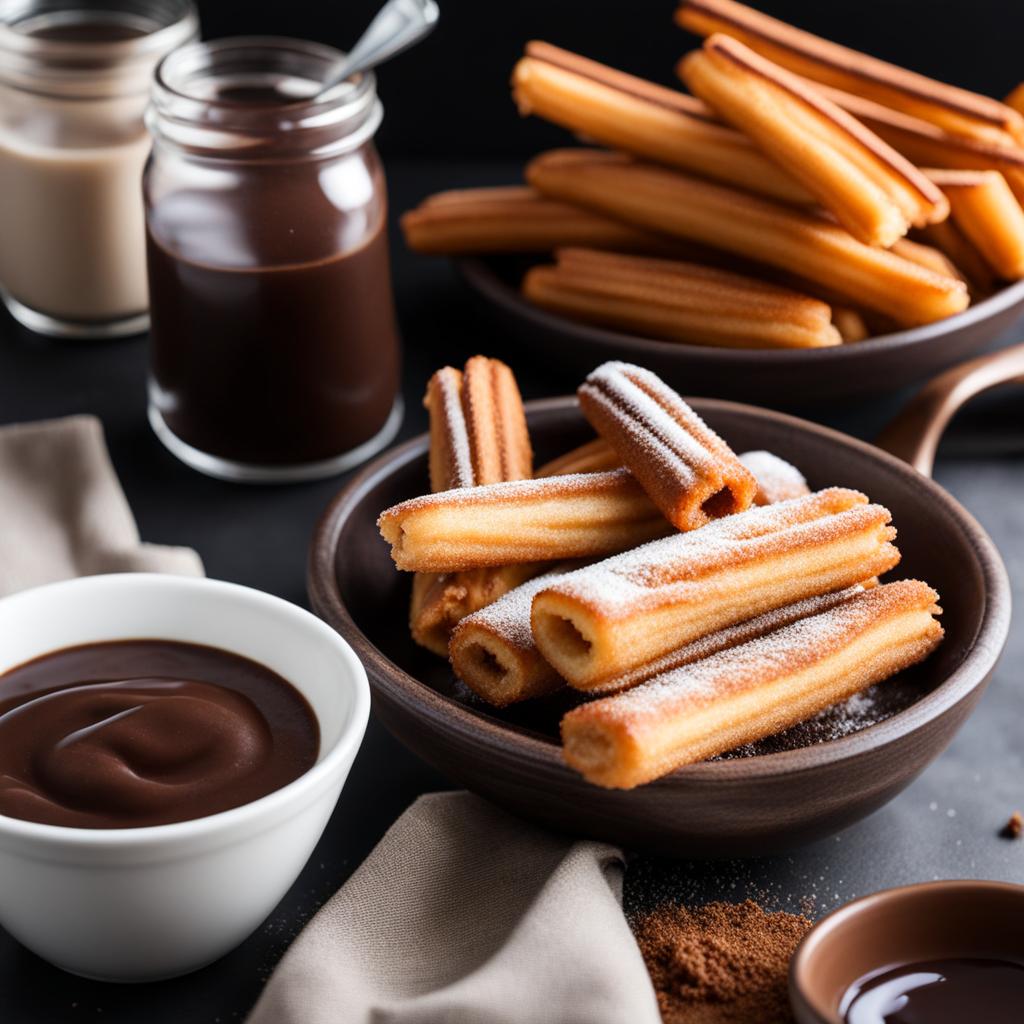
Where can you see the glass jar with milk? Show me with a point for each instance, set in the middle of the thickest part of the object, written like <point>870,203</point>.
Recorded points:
<point>74,83</point>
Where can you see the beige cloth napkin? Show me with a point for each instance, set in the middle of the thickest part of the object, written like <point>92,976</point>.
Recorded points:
<point>62,510</point>
<point>465,914</point>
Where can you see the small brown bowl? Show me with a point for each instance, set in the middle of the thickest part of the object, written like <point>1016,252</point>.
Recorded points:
<point>744,806</point>
<point>933,921</point>
<point>776,378</point>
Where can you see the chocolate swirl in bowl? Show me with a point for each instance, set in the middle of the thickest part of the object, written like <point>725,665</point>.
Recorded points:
<point>146,732</point>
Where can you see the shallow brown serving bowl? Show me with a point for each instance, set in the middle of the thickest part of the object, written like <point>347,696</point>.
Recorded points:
<point>744,806</point>
<point>934,921</point>
<point>777,378</point>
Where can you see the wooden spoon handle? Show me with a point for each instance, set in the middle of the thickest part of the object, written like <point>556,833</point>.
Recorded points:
<point>915,432</point>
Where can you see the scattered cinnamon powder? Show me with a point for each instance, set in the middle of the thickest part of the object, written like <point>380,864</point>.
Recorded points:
<point>723,963</point>
<point>1014,828</point>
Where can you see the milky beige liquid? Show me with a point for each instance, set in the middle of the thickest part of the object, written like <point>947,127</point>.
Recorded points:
<point>72,231</point>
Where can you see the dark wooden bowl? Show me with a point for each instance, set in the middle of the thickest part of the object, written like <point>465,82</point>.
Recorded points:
<point>912,924</point>
<point>735,807</point>
<point>777,378</point>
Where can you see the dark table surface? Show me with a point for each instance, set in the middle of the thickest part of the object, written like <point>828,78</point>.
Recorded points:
<point>944,826</point>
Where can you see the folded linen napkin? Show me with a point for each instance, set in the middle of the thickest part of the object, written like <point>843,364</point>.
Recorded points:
<point>62,510</point>
<point>463,913</point>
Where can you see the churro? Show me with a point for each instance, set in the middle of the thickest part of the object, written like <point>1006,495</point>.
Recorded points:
<point>516,219</point>
<point>927,256</point>
<point>948,239</point>
<point>753,690</point>
<point>777,479</point>
<point>478,435</point>
<point>873,191</point>
<point>989,215</point>
<point>607,619</point>
<point>792,240</point>
<point>493,650</point>
<point>688,471</point>
<point>441,600</point>
<point>493,653</point>
<point>583,515</point>
<point>924,143</point>
<point>1016,98</point>
<point>631,114</point>
<point>677,301</point>
<point>955,110</point>
<point>850,324</point>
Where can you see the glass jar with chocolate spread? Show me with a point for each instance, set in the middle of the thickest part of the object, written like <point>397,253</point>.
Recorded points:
<point>275,353</point>
<point>74,83</point>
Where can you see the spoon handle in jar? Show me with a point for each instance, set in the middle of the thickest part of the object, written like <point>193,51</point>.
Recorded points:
<point>398,24</point>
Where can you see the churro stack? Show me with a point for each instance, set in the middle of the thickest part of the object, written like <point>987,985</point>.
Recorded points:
<point>735,602</point>
<point>800,195</point>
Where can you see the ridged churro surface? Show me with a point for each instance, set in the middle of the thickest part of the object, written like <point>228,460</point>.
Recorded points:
<point>575,516</point>
<point>602,621</point>
<point>690,473</point>
<point>631,114</point>
<point>956,110</point>
<point>752,690</point>
<point>869,187</point>
<point>801,243</point>
<point>678,301</point>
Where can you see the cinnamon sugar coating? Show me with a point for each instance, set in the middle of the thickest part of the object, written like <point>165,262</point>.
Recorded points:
<point>605,620</point>
<point>581,515</point>
<point>752,690</point>
<point>690,473</point>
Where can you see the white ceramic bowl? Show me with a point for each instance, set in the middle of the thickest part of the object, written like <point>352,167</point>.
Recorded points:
<point>147,903</point>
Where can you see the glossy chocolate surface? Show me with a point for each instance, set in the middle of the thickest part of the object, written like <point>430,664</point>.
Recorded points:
<point>146,732</point>
<point>948,991</point>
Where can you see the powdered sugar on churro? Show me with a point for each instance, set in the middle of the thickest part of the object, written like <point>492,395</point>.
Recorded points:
<point>763,659</point>
<point>777,479</point>
<point>625,582</point>
<point>509,616</point>
<point>646,420</point>
<point>456,433</point>
<point>522,490</point>
<point>732,636</point>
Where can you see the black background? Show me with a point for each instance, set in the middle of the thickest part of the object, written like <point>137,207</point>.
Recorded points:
<point>449,122</point>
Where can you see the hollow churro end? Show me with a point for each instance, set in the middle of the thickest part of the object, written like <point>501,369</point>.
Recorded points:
<point>568,645</point>
<point>493,653</point>
<point>391,530</point>
<point>486,672</point>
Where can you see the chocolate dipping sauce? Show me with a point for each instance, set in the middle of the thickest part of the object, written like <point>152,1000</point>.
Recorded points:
<point>939,992</point>
<point>146,732</point>
<point>274,342</point>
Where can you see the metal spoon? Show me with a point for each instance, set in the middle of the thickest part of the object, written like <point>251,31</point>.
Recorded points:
<point>398,24</point>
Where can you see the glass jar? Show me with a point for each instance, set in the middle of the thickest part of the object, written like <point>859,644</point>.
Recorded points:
<point>74,83</point>
<point>275,354</point>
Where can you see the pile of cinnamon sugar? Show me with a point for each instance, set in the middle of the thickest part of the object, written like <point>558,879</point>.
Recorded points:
<point>723,963</point>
